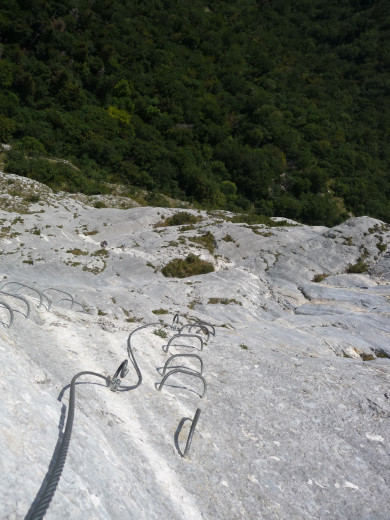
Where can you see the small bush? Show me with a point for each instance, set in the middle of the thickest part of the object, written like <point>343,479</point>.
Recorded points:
<point>319,277</point>
<point>160,311</point>
<point>191,266</point>
<point>228,238</point>
<point>207,241</point>
<point>101,252</point>
<point>359,267</point>
<point>178,219</point>
<point>223,301</point>
<point>99,204</point>
<point>160,332</point>
<point>253,218</point>
<point>77,252</point>
<point>157,200</point>
<point>32,198</point>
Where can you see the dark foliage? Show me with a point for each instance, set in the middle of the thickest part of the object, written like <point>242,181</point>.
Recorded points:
<point>277,107</point>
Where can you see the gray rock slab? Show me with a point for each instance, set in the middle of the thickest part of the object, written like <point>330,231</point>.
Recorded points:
<point>296,418</point>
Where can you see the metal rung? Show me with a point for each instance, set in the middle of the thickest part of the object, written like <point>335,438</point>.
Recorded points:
<point>81,305</point>
<point>18,297</point>
<point>198,323</point>
<point>11,312</point>
<point>203,328</point>
<point>183,355</point>
<point>191,434</point>
<point>71,299</point>
<point>184,336</point>
<point>182,371</point>
<point>22,285</point>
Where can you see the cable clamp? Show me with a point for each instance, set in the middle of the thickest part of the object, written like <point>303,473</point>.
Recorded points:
<point>121,371</point>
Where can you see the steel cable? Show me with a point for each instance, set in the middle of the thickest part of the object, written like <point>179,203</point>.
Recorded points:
<point>132,358</point>
<point>38,511</point>
<point>43,503</point>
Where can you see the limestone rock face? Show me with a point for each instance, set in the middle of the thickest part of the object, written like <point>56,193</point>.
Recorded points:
<point>295,421</point>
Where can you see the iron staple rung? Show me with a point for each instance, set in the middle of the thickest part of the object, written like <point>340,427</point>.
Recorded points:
<point>183,355</point>
<point>11,312</point>
<point>191,434</point>
<point>183,371</point>
<point>18,297</point>
<point>184,336</point>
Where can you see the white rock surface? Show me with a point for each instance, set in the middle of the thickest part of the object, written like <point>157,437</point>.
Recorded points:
<point>295,421</point>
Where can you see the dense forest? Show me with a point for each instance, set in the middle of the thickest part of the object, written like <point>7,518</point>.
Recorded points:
<point>277,107</point>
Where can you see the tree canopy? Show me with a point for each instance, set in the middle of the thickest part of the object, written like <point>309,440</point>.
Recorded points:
<point>279,106</point>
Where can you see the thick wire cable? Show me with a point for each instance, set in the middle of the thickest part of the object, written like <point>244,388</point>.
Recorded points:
<point>132,358</point>
<point>40,508</point>
<point>43,503</point>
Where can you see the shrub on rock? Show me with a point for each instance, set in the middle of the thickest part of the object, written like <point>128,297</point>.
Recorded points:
<point>190,266</point>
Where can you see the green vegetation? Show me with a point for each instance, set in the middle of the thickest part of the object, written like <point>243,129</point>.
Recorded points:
<point>228,238</point>
<point>207,240</point>
<point>161,333</point>
<point>360,267</point>
<point>99,204</point>
<point>265,234</point>
<point>191,266</point>
<point>223,301</point>
<point>77,252</point>
<point>101,252</point>
<point>160,311</point>
<point>380,245</point>
<point>178,219</point>
<point>253,218</point>
<point>319,277</point>
<point>274,107</point>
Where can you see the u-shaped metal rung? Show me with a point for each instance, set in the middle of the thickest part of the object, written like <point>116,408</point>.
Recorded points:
<point>63,292</point>
<point>18,297</point>
<point>184,336</point>
<point>182,371</point>
<point>81,305</point>
<point>203,328</point>
<point>205,324</point>
<point>6,283</point>
<point>191,434</point>
<point>183,355</point>
<point>11,312</point>
<point>40,295</point>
